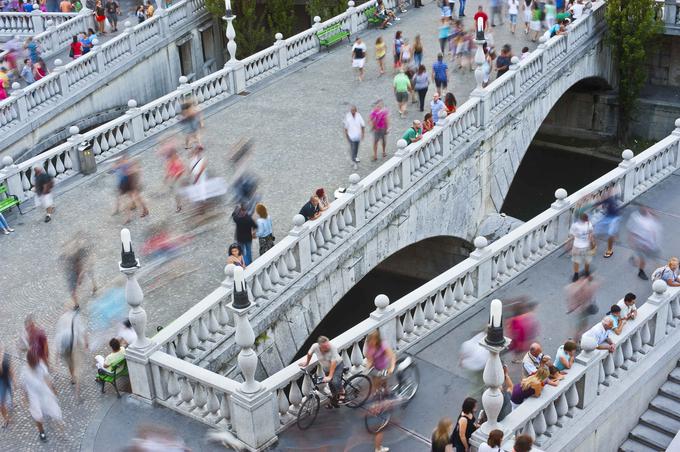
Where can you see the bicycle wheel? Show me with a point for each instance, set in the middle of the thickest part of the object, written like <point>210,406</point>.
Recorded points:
<point>308,412</point>
<point>378,415</point>
<point>409,380</point>
<point>357,390</point>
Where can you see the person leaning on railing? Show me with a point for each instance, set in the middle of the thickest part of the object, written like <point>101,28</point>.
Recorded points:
<point>601,333</point>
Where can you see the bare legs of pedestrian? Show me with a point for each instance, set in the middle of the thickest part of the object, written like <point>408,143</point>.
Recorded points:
<point>5,415</point>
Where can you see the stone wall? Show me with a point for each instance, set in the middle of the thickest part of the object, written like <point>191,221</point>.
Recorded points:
<point>663,62</point>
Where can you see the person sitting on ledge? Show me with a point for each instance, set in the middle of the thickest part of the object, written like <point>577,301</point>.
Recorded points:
<point>113,357</point>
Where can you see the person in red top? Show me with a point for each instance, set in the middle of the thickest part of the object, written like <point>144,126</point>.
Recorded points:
<point>480,13</point>
<point>76,48</point>
<point>174,170</point>
<point>39,70</point>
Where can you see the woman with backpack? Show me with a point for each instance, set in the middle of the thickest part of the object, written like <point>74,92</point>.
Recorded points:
<point>668,273</point>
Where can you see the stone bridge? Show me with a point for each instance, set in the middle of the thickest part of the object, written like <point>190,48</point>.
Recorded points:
<point>441,186</point>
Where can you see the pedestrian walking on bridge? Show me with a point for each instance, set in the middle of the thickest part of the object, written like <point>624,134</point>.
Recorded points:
<point>354,132</point>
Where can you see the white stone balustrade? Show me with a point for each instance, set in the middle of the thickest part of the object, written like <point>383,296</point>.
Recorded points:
<point>24,24</point>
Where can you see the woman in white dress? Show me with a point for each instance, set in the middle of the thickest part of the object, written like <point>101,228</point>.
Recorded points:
<point>359,57</point>
<point>41,396</point>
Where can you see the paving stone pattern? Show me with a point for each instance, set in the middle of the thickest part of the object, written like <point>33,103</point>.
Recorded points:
<point>299,146</point>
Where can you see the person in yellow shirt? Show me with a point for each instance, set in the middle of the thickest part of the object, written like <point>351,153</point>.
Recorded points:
<point>4,78</point>
<point>149,10</point>
<point>116,355</point>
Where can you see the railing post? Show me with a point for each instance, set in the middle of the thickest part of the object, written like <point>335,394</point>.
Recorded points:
<point>74,140</point>
<point>587,386</point>
<point>669,11</point>
<point>136,121</point>
<point>676,132</point>
<point>629,177</point>
<point>353,25</point>
<point>484,105</point>
<point>402,153</point>
<point>541,54</point>
<point>64,85</point>
<point>280,45</point>
<point>356,190</point>
<point>254,409</point>
<point>301,230</point>
<point>445,136</point>
<point>163,21</point>
<point>482,254</point>
<point>12,177</point>
<point>564,216</point>
<point>22,104</point>
<point>659,298</point>
<point>388,330</point>
<point>37,21</point>
<point>516,80</point>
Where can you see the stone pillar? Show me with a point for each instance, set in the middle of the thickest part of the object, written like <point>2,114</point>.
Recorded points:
<point>64,84</point>
<point>238,74</point>
<point>541,56</point>
<point>37,21</point>
<point>658,298</point>
<point>254,408</point>
<point>317,23</point>
<point>629,178</point>
<point>561,229</point>
<point>447,149</point>
<point>74,140</point>
<point>282,50</point>
<point>492,398</point>
<point>676,132</point>
<point>516,80</point>
<point>304,248</point>
<point>137,354</point>
<point>353,25</point>
<point>482,254</point>
<point>12,178</point>
<point>21,102</point>
<point>164,21</point>
<point>590,358</point>
<point>136,121</point>
<point>403,154</point>
<point>127,36</point>
<point>383,311</point>
<point>100,58</point>
<point>669,11</point>
<point>356,190</point>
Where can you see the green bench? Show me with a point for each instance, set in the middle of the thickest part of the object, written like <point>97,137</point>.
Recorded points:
<point>371,16</point>
<point>332,35</point>
<point>8,201</point>
<point>111,375</point>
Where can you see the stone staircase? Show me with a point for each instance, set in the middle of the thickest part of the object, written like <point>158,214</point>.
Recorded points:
<point>661,422</point>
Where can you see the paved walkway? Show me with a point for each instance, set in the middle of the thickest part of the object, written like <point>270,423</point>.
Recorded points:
<point>444,385</point>
<point>297,123</point>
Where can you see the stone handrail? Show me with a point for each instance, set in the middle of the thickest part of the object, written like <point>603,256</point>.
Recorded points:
<point>56,38</point>
<point>594,370</point>
<point>23,24</point>
<point>276,271</point>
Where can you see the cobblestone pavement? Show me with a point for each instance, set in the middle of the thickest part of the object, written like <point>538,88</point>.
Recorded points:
<point>297,124</point>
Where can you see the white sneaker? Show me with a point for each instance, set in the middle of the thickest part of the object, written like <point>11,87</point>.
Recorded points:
<point>382,449</point>
<point>357,160</point>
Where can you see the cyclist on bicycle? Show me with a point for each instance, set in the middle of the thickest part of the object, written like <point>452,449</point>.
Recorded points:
<point>332,365</point>
<point>382,360</point>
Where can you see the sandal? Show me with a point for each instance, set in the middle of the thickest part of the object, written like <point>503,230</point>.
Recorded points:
<point>608,253</point>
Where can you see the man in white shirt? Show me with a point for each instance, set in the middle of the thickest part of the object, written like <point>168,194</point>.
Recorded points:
<point>581,232</point>
<point>602,334</point>
<point>354,131</point>
<point>534,359</point>
<point>627,305</point>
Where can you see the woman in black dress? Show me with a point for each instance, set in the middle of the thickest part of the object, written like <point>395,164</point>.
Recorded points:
<point>465,426</point>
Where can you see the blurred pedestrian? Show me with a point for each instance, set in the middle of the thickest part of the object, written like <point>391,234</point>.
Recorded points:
<point>245,232</point>
<point>441,436</point>
<point>354,132</point>
<point>4,226</point>
<point>34,339</point>
<point>472,359</point>
<point>43,190</point>
<point>444,31</point>
<point>582,245</point>
<point>496,11</point>
<point>27,72</point>
<point>644,235</point>
<point>421,81</point>
<point>402,86</point>
<point>77,256</point>
<point>398,42</point>
<point>174,175</point>
<point>7,385</point>
<point>100,17</point>
<point>71,339</point>
<point>359,57</point>
<point>380,51</point>
<point>522,327</point>
<point>379,124</point>
<point>608,225</point>
<point>129,184</point>
<point>265,235</point>
<point>581,300</point>
<point>193,122</point>
<point>417,51</point>
<point>40,393</point>
<point>513,11</point>
<point>32,48</point>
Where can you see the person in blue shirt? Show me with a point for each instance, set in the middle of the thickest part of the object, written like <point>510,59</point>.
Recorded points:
<point>440,75</point>
<point>617,320</point>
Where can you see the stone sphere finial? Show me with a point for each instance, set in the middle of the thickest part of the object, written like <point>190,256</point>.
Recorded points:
<point>7,161</point>
<point>298,220</point>
<point>132,103</point>
<point>49,23</point>
<point>354,178</point>
<point>350,3</point>
<point>560,194</point>
<point>278,36</point>
<point>74,130</point>
<point>381,301</point>
<point>229,270</point>
<point>480,242</point>
<point>58,62</point>
<point>659,286</point>
<point>16,85</point>
<point>543,39</point>
<point>183,80</point>
<point>627,154</point>
<point>514,60</point>
<point>677,123</point>
<point>588,343</point>
<point>401,144</point>
<point>95,42</point>
<point>127,24</point>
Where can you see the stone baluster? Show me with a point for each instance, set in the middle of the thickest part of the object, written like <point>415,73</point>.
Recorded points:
<point>303,248</point>
<point>19,97</point>
<point>136,121</point>
<point>484,276</point>
<point>658,298</point>
<point>137,354</point>
<point>254,407</point>
<point>282,50</point>
<point>572,400</point>
<point>238,70</point>
<point>492,398</point>
<point>37,21</point>
<point>587,386</point>
<point>352,17</point>
<point>75,140</point>
<point>629,177</point>
<point>403,154</point>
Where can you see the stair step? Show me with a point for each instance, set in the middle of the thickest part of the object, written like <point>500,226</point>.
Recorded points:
<point>671,390</point>
<point>667,406</point>
<point>675,375</point>
<point>632,445</point>
<point>660,422</point>
<point>653,438</point>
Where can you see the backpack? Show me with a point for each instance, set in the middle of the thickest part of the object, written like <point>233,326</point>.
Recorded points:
<point>658,273</point>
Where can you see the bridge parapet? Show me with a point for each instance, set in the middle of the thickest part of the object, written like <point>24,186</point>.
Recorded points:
<point>25,24</point>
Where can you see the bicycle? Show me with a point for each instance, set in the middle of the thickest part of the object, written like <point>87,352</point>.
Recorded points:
<point>357,389</point>
<point>379,412</point>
